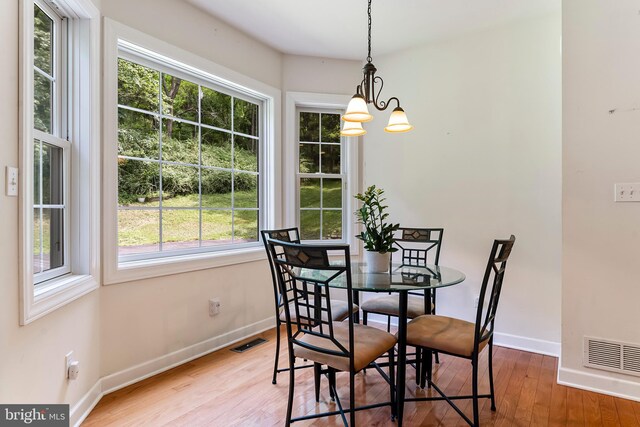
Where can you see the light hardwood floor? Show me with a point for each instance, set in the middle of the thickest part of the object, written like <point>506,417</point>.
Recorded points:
<point>230,389</point>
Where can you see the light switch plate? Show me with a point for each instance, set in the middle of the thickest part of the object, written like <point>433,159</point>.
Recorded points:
<point>627,192</point>
<point>11,180</point>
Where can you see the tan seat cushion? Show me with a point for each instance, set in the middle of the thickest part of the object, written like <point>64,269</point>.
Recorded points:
<point>389,305</point>
<point>339,310</point>
<point>369,344</point>
<point>443,333</point>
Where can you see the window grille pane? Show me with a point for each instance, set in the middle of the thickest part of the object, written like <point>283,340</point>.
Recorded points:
<point>180,186</point>
<point>52,238</point>
<point>245,190</point>
<point>43,40</point>
<point>216,108</point>
<point>245,117</point>
<point>180,142</point>
<point>138,134</point>
<point>138,231</point>
<point>179,98</point>
<point>52,164</point>
<point>245,226</point>
<point>37,240</point>
<point>42,103</point>
<point>216,188</point>
<point>309,127</point>
<point>310,193</point>
<point>245,153</point>
<point>309,158</point>
<point>36,171</point>
<point>331,224</point>
<point>180,229</point>
<point>138,182</point>
<point>216,227</point>
<point>330,158</point>
<point>330,128</point>
<point>310,225</point>
<point>332,193</point>
<point>138,86</point>
<point>216,148</point>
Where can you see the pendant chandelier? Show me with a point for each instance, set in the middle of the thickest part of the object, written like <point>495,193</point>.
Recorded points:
<point>367,92</point>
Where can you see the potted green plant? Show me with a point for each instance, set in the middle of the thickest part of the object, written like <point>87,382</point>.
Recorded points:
<point>377,234</point>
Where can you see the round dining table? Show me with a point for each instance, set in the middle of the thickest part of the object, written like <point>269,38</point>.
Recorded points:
<point>400,279</point>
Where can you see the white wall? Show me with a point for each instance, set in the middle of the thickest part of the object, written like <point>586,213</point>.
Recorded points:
<point>484,161</point>
<point>601,292</point>
<point>32,357</point>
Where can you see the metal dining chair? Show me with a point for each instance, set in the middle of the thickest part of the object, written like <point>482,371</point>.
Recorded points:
<point>305,277</point>
<point>419,247</point>
<point>461,338</point>
<point>340,308</point>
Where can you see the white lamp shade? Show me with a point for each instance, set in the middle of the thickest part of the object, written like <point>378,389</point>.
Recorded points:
<point>357,110</point>
<point>398,122</point>
<point>352,129</point>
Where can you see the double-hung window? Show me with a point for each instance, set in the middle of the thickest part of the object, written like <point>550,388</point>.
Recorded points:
<point>321,175</point>
<point>51,173</point>
<point>59,151</point>
<point>189,162</point>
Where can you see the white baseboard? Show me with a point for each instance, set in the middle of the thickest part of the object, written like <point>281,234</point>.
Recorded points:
<point>517,342</point>
<point>532,345</point>
<point>81,410</point>
<point>160,364</point>
<point>599,383</point>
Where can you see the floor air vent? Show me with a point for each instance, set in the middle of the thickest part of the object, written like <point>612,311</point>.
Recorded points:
<point>248,345</point>
<point>612,356</point>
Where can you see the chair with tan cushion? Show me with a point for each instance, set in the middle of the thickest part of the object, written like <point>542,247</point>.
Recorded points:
<point>461,338</point>
<point>312,335</point>
<point>419,247</point>
<point>340,308</point>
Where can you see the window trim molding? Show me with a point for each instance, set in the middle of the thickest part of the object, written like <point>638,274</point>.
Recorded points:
<point>116,35</point>
<point>84,91</point>
<point>295,101</point>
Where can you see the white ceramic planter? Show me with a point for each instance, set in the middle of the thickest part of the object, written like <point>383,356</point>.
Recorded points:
<point>376,262</point>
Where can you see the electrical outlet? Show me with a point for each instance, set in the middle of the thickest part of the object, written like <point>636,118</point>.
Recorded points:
<point>214,306</point>
<point>476,301</point>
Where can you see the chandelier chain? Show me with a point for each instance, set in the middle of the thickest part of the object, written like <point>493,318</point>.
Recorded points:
<point>369,40</point>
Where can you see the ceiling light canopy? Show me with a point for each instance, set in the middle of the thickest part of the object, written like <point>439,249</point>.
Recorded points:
<point>368,93</point>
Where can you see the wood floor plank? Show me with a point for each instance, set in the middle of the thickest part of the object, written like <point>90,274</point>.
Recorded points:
<point>226,388</point>
<point>608,411</point>
<point>626,414</point>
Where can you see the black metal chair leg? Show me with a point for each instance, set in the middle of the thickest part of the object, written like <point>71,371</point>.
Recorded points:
<point>332,384</point>
<point>364,317</point>
<point>275,363</point>
<point>437,358</point>
<point>418,364</point>
<point>493,396</point>
<point>392,383</point>
<point>389,324</point>
<point>352,399</point>
<point>316,378</point>
<point>292,380</point>
<point>476,415</point>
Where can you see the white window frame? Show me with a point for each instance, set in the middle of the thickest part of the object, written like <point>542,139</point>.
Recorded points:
<point>77,102</point>
<point>119,38</point>
<point>327,103</point>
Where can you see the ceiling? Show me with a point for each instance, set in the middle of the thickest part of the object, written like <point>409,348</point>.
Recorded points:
<point>338,28</point>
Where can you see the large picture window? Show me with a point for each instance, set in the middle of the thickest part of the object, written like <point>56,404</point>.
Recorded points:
<point>189,156</point>
<point>320,175</point>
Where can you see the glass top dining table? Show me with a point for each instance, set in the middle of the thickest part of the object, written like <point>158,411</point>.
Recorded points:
<point>398,279</point>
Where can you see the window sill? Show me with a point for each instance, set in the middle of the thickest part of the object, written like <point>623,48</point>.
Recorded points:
<point>57,292</point>
<point>146,269</point>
